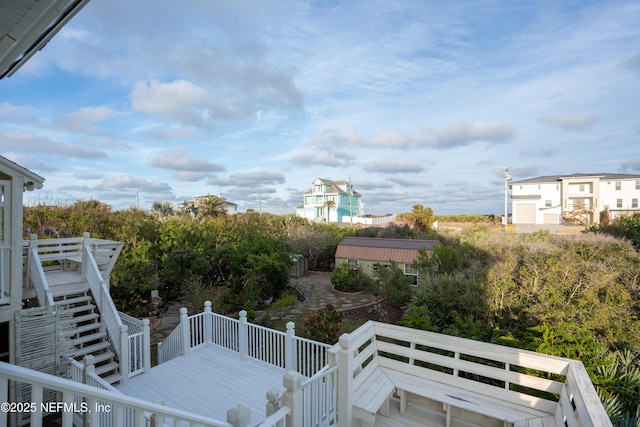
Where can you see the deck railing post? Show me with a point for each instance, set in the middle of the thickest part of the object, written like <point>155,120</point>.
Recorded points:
<point>344,358</point>
<point>290,356</point>
<point>88,368</point>
<point>146,346</point>
<point>186,333</point>
<point>84,254</point>
<point>273,402</point>
<point>124,353</point>
<point>243,335</point>
<point>239,416</point>
<point>208,323</point>
<point>293,398</point>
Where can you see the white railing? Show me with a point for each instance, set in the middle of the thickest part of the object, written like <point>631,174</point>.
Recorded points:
<point>5,265</point>
<point>36,274</point>
<point>134,324</point>
<point>319,394</point>
<point>266,345</point>
<point>281,349</point>
<point>109,316</point>
<point>224,330</point>
<point>122,410</point>
<point>171,347</point>
<point>505,373</point>
<point>136,352</point>
<point>311,355</point>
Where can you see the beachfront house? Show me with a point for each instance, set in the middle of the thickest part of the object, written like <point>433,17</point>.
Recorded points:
<point>574,199</point>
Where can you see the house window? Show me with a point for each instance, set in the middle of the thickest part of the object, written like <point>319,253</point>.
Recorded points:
<point>409,271</point>
<point>353,264</point>
<point>547,203</point>
<point>634,203</point>
<point>637,185</point>
<point>618,185</point>
<point>618,203</point>
<point>582,188</point>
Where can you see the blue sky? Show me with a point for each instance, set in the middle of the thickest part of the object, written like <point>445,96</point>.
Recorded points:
<point>415,101</point>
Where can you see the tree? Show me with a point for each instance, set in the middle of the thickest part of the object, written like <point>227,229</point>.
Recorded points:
<point>420,217</point>
<point>210,207</point>
<point>329,204</point>
<point>161,210</point>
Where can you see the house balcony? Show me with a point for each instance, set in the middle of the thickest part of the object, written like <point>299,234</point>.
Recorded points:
<point>219,371</point>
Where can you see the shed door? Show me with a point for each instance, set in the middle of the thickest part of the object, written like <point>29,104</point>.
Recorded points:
<point>550,218</point>
<point>5,239</point>
<point>526,214</point>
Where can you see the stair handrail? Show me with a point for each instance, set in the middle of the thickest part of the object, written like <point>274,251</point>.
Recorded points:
<point>36,274</point>
<point>109,316</point>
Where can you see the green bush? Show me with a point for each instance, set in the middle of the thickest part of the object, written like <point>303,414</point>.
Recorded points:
<point>323,325</point>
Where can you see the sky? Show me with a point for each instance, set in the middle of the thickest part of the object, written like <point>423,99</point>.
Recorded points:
<point>417,101</point>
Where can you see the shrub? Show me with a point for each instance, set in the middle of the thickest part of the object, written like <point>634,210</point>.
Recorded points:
<point>323,325</point>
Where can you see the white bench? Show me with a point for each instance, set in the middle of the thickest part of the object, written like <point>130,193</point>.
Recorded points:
<point>371,386</point>
<point>452,396</point>
<point>470,380</point>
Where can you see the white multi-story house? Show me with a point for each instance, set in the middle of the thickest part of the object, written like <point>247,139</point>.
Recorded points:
<point>346,202</point>
<point>574,199</point>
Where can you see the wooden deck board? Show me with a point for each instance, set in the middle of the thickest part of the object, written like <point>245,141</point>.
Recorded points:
<point>208,382</point>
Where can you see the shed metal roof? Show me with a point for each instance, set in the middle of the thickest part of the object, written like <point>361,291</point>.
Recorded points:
<point>403,251</point>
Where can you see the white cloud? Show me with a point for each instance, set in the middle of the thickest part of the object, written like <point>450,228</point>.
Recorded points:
<point>179,160</point>
<point>392,166</point>
<point>571,121</point>
<point>84,119</point>
<point>128,183</point>
<point>23,140</point>
<point>179,100</point>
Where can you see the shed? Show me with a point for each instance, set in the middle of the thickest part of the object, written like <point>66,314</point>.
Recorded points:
<point>299,265</point>
<point>365,252</point>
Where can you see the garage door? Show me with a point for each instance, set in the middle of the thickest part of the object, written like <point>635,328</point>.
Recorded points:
<point>525,214</point>
<point>550,218</point>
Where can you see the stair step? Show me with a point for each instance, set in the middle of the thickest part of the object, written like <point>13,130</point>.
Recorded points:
<point>79,319</point>
<point>78,309</point>
<point>103,369</point>
<point>104,356</point>
<point>68,289</point>
<point>88,338</point>
<point>81,329</point>
<point>112,379</point>
<point>75,300</point>
<point>90,349</point>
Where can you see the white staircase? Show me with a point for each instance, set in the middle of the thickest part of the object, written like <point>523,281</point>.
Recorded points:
<point>72,275</point>
<point>80,324</point>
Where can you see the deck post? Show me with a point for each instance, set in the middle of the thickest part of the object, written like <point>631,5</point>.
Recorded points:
<point>146,346</point>
<point>273,402</point>
<point>243,332</point>
<point>88,368</point>
<point>292,397</point>
<point>239,416</point>
<point>290,356</point>
<point>345,381</point>
<point>124,353</point>
<point>186,333</point>
<point>84,254</point>
<point>208,323</point>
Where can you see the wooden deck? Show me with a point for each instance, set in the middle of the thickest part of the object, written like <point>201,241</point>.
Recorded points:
<point>209,381</point>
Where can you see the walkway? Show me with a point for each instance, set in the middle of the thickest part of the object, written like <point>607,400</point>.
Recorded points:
<point>318,292</point>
